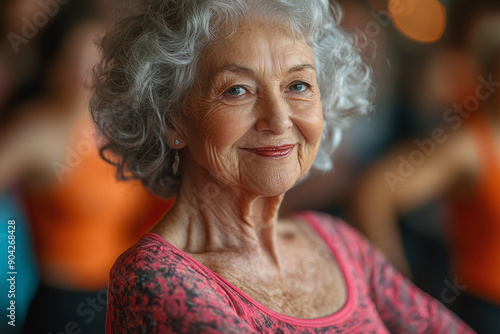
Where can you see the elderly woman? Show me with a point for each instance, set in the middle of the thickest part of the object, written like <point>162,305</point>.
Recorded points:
<point>227,104</point>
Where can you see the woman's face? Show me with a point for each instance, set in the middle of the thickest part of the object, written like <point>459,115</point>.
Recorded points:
<point>253,118</point>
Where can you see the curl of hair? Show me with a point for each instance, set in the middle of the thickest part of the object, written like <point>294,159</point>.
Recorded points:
<point>149,65</point>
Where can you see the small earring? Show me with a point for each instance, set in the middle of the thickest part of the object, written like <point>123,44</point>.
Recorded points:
<point>177,142</point>
<point>177,161</point>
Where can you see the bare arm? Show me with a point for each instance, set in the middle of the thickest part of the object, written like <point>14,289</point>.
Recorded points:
<point>404,180</point>
<point>26,145</point>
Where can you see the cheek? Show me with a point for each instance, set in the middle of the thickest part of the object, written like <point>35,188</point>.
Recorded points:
<point>309,120</point>
<point>223,129</point>
<point>217,129</point>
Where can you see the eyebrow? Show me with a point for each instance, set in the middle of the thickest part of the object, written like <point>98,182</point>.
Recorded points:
<point>301,67</point>
<point>238,69</point>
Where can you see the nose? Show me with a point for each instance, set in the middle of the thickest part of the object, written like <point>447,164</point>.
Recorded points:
<point>273,114</point>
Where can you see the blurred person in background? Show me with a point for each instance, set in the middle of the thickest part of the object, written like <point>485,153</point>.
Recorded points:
<point>463,163</point>
<point>81,217</point>
<point>20,63</point>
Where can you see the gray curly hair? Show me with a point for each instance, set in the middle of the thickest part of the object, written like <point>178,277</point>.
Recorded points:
<point>149,65</point>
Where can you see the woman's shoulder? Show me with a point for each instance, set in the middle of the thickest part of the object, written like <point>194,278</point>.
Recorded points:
<point>157,269</point>
<point>152,259</point>
<point>148,252</point>
<point>328,225</point>
<point>155,288</point>
<point>336,233</point>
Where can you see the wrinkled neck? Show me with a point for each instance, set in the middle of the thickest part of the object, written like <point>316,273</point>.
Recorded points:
<point>218,218</point>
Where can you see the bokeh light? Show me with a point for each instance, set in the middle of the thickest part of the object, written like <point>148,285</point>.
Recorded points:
<point>422,21</point>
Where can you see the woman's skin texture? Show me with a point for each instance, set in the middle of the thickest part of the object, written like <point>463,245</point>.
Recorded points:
<point>250,129</point>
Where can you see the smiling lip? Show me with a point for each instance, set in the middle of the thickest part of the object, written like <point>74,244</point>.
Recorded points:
<point>272,151</point>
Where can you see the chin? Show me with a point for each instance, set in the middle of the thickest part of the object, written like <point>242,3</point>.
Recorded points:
<point>275,184</point>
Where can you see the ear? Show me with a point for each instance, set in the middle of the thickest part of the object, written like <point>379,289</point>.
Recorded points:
<point>175,136</point>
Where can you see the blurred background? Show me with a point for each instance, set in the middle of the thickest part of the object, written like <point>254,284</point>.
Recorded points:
<point>420,177</point>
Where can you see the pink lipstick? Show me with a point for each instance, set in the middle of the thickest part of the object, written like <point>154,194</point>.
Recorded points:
<point>272,151</point>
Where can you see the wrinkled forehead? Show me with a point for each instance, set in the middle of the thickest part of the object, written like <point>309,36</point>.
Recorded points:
<point>257,43</point>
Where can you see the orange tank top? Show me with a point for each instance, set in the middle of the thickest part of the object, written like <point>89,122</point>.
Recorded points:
<point>475,222</point>
<point>86,218</point>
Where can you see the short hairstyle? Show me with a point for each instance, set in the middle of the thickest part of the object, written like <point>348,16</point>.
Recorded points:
<point>149,65</point>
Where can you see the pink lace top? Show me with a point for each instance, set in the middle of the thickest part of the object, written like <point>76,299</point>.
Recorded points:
<point>157,288</point>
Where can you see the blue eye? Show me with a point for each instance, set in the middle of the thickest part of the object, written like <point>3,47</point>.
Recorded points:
<point>299,87</point>
<point>235,91</point>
